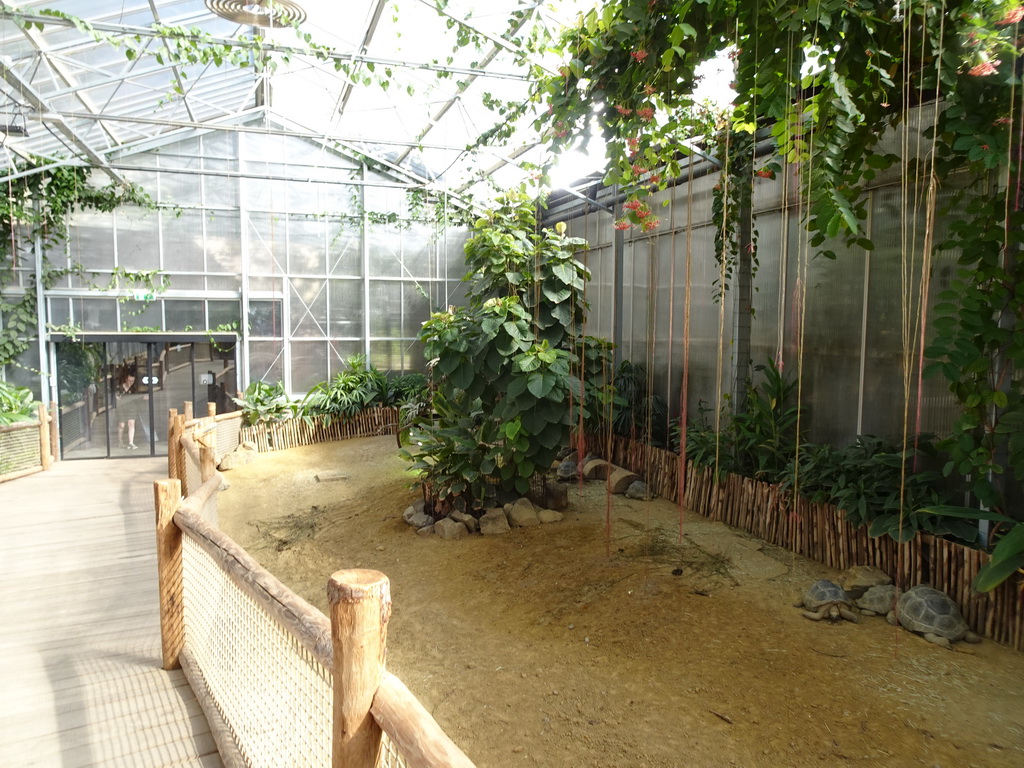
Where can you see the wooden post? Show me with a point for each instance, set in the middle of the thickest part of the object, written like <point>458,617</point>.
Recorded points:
<point>54,433</point>
<point>188,410</point>
<point>207,459</point>
<point>211,409</point>
<point>360,605</point>
<point>167,496</point>
<point>172,443</point>
<point>44,436</point>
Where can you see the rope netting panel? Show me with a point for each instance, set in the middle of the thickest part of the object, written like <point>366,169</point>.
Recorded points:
<point>275,697</point>
<point>389,755</point>
<point>193,473</point>
<point>19,448</point>
<point>228,435</point>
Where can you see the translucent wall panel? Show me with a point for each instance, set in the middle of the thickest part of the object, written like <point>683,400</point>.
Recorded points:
<point>768,326</point>
<point>266,361</point>
<point>268,244</point>
<point>599,291</point>
<point>223,243</point>
<point>91,240</point>
<point>183,242</point>
<point>344,247</point>
<point>138,242</point>
<point>418,250</point>
<point>137,315</point>
<point>385,250</point>
<point>59,311</point>
<point>95,314</point>
<point>224,313</point>
<point>346,308</point>
<point>309,364</point>
<point>893,342</point>
<point>308,307</point>
<point>415,308</point>
<point>220,191</point>
<point>340,352</point>
<point>265,318</point>
<point>306,245</point>
<point>184,315</point>
<point>826,297</point>
<point>386,308</point>
<point>180,188</point>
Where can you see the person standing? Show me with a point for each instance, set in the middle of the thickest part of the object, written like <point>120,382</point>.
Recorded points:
<point>128,402</point>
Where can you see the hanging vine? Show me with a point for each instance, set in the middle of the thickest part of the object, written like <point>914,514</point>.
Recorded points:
<point>35,209</point>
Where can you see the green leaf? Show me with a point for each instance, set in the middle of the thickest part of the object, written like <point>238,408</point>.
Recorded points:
<point>967,513</point>
<point>992,574</point>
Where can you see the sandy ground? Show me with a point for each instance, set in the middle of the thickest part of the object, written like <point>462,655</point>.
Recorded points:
<point>576,644</point>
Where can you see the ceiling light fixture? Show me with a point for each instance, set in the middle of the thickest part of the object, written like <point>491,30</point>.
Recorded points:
<point>259,13</point>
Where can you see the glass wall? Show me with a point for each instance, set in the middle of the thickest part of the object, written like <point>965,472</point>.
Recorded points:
<point>308,255</point>
<point>848,328</point>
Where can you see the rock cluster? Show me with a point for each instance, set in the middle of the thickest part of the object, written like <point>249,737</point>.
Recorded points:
<point>242,455</point>
<point>542,504</point>
<point>492,522</point>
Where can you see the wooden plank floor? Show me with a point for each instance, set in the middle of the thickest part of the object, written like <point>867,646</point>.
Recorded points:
<point>80,677</point>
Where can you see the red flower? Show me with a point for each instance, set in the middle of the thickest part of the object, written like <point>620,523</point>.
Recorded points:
<point>634,144</point>
<point>649,89</point>
<point>639,55</point>
<point>1002,121</point>
<point>655,178</point>
<point>984,69</point>
<point>633,205</point>
<point>645,114</point>
<point>643,213</point>
<point>650,223</point>
<point>622,224</point>
<point>623,110</point>
<point>638,170</point>
<point>765,173</point>
<point>1012,17</point>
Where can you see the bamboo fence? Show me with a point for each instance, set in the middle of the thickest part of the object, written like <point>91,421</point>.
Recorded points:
<point>822,533</point>
<point>293,433</point>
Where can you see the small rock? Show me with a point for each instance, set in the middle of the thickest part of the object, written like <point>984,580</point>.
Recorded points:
<point>493,522</point>
<point>522,514</point>
<point>236,459</point>
<point>224,484</point>
<point>517,750</point>
<point>557,496</point>
<point>416,508</point>
<point>638,489</point>
<point>380,547</point>
<point>549,516</point>
<point>860,578</point>
<point>427,530</point>
<point>466,519</point>
<point>420,520</point>
<point>450,529</point>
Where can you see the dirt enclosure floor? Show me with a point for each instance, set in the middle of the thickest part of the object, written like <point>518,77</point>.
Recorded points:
<point>559,645</point>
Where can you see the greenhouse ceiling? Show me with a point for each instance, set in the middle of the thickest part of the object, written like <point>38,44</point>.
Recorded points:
<point>387,79</point>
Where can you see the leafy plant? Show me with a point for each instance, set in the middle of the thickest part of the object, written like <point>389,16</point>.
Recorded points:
<point>1007,558</point>
<point>350,392</point>
<point>16,404</point>
<point>501,367</point>
<point>637,413</point>
<point>264,403</point>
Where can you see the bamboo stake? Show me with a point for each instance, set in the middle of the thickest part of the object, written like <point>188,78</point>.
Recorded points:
<point>54,430</point>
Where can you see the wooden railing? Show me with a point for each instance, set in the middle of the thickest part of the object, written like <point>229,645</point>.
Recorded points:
<point>375,720</point>
<point>27,447</point>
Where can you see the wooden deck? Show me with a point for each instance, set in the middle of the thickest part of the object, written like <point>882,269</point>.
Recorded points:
<point>80,677</point>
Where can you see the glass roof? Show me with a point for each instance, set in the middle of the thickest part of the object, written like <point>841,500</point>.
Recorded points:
<point>67,97</point>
